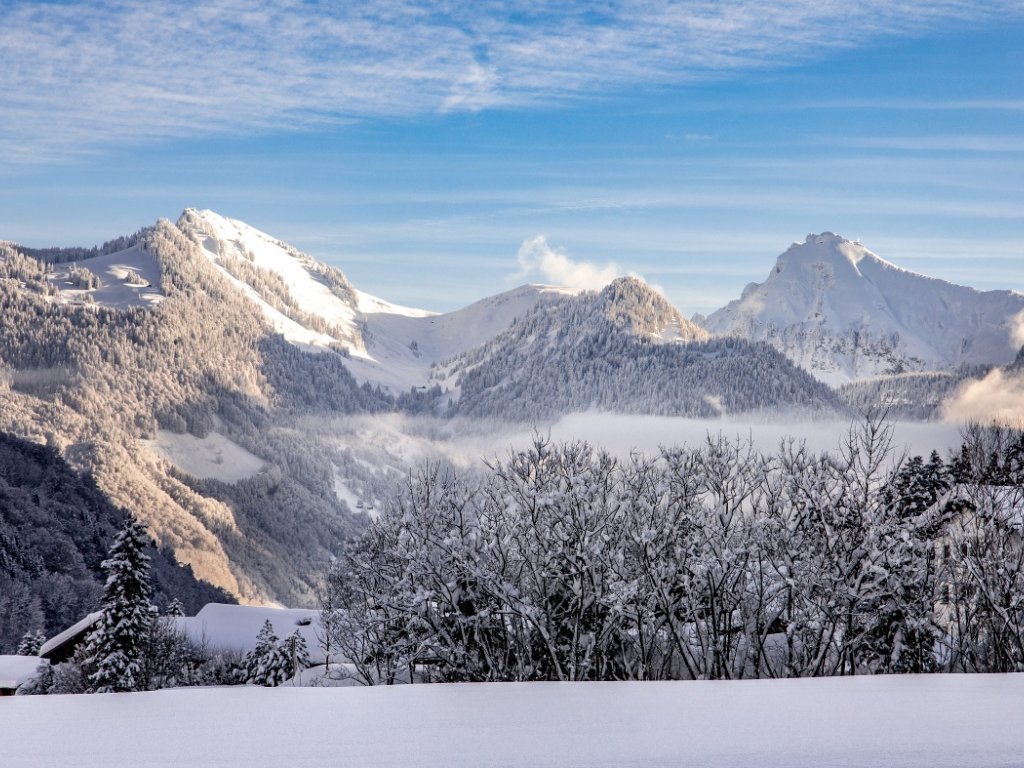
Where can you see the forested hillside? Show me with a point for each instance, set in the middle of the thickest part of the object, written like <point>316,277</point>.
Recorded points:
<point>55,529</point>
<point>97,384</point>
<point>908,395</point>
<point>201,372</point>
<point>624,349</point>
<point>155,361</point>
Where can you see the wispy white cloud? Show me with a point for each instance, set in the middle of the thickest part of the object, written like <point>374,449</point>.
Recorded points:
<point>82,74</point>
<point>536,257</point>
<point>689,137</point>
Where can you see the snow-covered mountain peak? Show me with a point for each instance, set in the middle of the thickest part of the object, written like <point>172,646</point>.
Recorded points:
<point>308,302</point>
<point>225,237</point>
<point>633,305</point>
<point>830,251</point>
<point>844,313</point>
<point>316,306</point>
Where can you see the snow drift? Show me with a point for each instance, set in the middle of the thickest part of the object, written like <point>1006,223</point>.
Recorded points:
<point>890,721</point>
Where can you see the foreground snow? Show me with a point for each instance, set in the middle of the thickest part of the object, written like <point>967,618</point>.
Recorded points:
<point>882,721</point>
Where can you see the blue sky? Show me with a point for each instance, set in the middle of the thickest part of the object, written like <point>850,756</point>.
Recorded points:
<point>425,147</point>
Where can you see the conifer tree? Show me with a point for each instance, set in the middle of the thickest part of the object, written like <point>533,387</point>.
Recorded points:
<point>30,643</point>
<point>116,646</point>
<point>268,663</point>
<point>294,647</point>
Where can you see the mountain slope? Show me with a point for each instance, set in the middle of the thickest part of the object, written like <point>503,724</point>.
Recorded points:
<point>55,529</point>
<point>101,384</point>
<point>204,373</point>
<point>315,307</point>
<point>162,366</point>
<point>402,349</point>
<point>306,301</point>
<point>844,314</point>
<point>624,349</point>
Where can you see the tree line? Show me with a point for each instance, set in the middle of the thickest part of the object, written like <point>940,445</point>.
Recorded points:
<point>55,529</point>
<point>713,562</point>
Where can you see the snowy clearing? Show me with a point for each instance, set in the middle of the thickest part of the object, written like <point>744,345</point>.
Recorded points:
<point>213,457</point>
<point>937,720</point>
<point>130,278</point>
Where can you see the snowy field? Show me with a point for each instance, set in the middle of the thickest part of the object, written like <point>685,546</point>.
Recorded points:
<point>212,457</point>
<point>937,720</point>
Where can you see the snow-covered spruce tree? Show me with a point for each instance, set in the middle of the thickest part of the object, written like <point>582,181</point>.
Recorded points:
<point>115,649</point>
<point>175,608</point>
<point>294,647</point>
<point>268,663</point>
<point>30,643</point>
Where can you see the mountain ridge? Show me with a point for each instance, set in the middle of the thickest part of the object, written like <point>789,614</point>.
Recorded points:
<point>623,348</point>
<point>122,359</point>
<point>210,337</point>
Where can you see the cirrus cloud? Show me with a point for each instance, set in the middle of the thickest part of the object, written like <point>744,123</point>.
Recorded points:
<point>83,74</point>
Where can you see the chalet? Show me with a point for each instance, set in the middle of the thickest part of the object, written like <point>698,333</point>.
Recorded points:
<point>217,627</point>
<point>62,647</point>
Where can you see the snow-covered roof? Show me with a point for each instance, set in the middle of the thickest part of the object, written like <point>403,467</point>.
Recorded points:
<point>68,634</point>
<point>15,670</point>
<point>223,627</point>
<point>1005,502</point>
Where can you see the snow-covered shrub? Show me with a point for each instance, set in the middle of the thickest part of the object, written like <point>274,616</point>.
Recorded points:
<point>712,562</point>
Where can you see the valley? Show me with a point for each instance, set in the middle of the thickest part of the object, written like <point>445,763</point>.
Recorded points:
<point>256,409</point>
